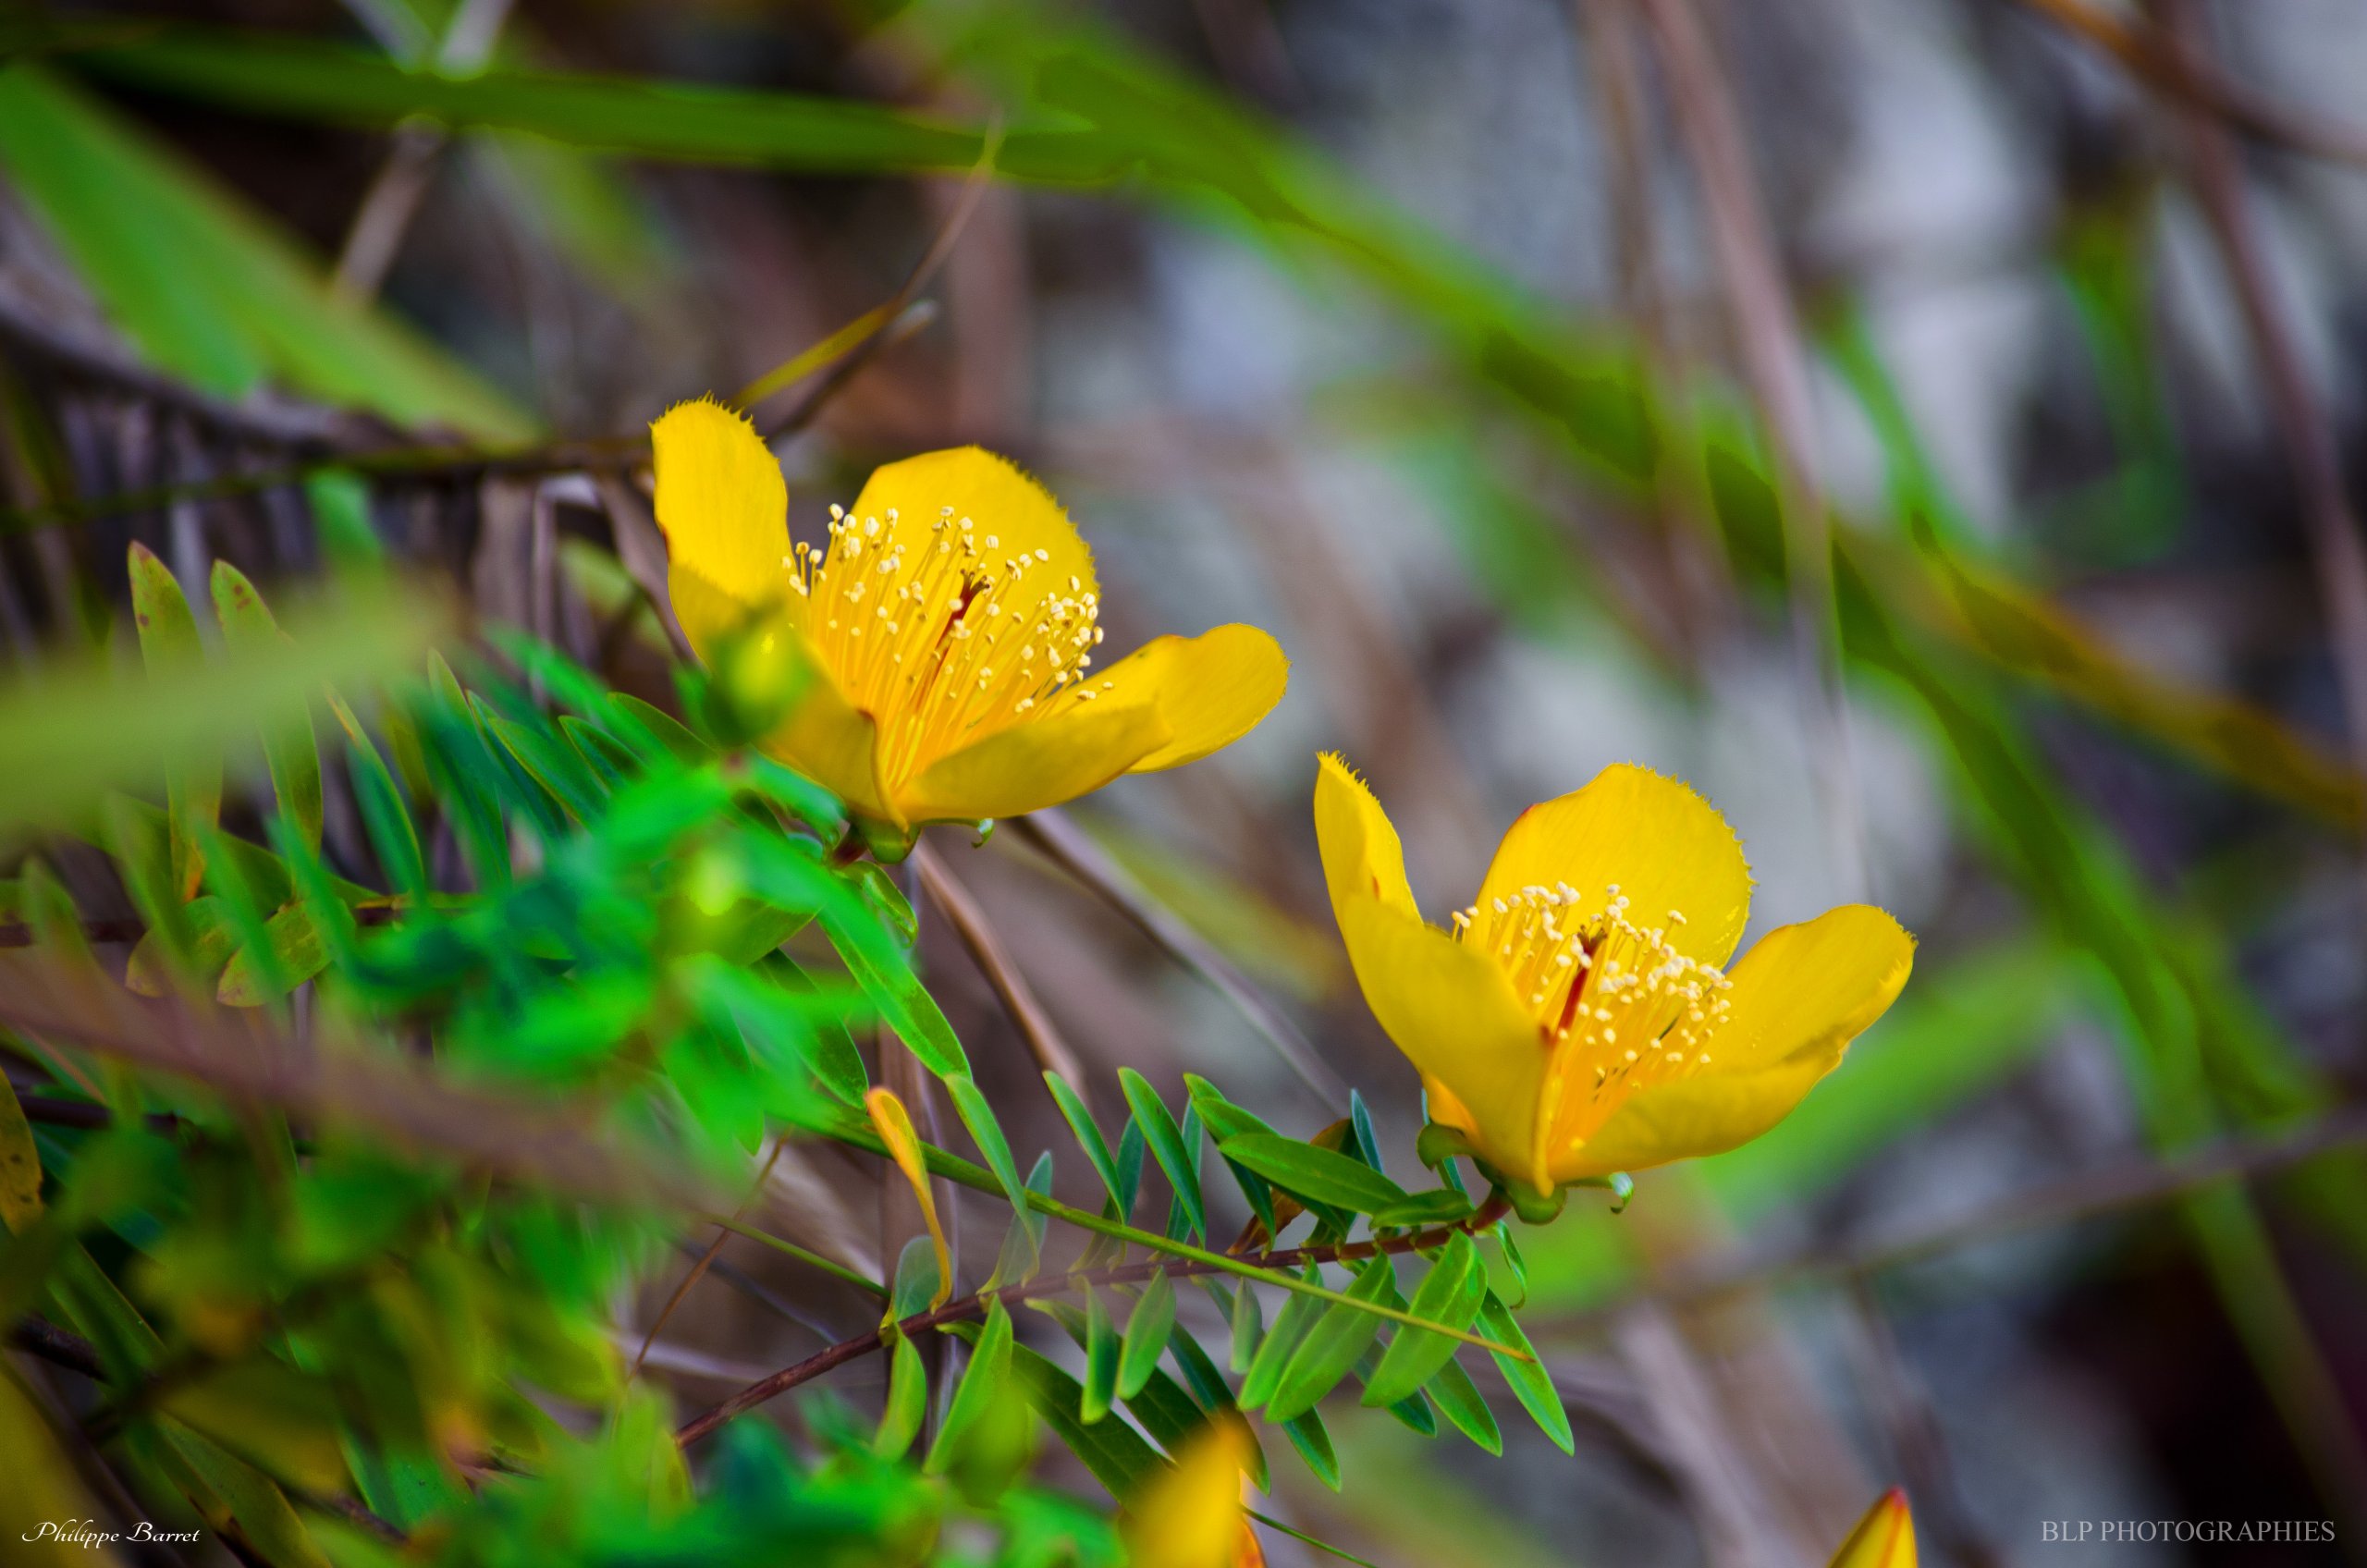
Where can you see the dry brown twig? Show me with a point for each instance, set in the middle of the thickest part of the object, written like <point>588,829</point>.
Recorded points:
<point>1011,988</point>
<point>1066,845</point>
<point>2302,421</point>
<point>1775,366</point>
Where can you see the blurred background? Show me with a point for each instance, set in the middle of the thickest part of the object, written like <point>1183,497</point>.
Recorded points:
<point>1924,425</point>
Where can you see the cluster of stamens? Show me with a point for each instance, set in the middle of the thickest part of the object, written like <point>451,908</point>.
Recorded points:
<point>1616,1006</point>
<point>942,636</point>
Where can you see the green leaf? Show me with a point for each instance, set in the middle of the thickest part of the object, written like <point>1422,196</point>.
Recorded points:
<point>1088,1135</point>
<point>1281,1340</point>
<point>1113,1450</point>
<point>290,748</point>
<point>1440,1205</point>
<point>20,1164</point>
<point>1166,1140</point>
<point>1312,1173</point>
<point>983,1383</point>
<point>1360,1124</point>
<point>1101,1351</point>
<point>211,938</point>
<point>1248,1329</point>
<point>550,761</point>
<point>268,1414</point>
<point>907,1405</point>
<point>1210,1392</point>
<point>1313,1439</point>
<point>917,1279</point>
<point>1530,1382</point>
<point>151,875</point>
<point>393,836</point>
<point>1332,1346</point>
<point>1448,1293</point>
<point>979,1116</point>
<point>1459,1401</point>
<point>168,642</point>
<point>297,952</point>
<point>208,288</point>
<point>1147,1334</point>
<point>254,1502</point>
<point>671,737</point>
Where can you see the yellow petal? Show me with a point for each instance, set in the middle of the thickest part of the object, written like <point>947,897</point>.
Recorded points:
<point>1034,764</point>
<point>1800,995</point>
<point>1663,846</point>
<point>1001,501</point>
<point>725,513</point>
<point>1883,1538</point>
<point>1448,1006</point>
<point>1812,989</point>
<point>1704,1115</point>
<point>1362,856</point>
<point>895,1125</point>
<point>1188,1514</point>
<point>823,735</point>
<point>1211,689</point>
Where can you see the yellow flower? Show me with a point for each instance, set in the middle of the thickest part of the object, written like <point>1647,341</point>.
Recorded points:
<point>946,630</point>
<point>1189,1514</point>
<point>1571,1031</point>
<point>1883,1538</point>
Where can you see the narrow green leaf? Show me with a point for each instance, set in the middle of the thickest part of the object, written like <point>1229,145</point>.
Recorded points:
<point>610,758</point>
<point>291,750</point>
<point>1448,1293</point>
<point>20,1164</point>
<point>1459,1401</point>
<point>1332,1346</point>
<point>385,816</point>
<point>211,938</point>
<point>1313,1172</point>
<point>979,1116</point>
<point>1130,1144</point>
<point>1274,1351</point>
<point>1367,1141</point>
<point>1146,1333</point>
<point>917,1279</point>
<point>168,643</point>
<point>1113,1450</point>
<point>1088,1135</point>
<point>1210,1392</point>
<point>1248,1329</point>
<point>263,1516</point>
<point>152,876</point>
<point>1530,1382</point>
<point>983,1382</point>
<point>1439,1205</point>
<point>210,287</point>
<point>672,736</point>
<point>1166,1141</point>
<point>550,761</point>
<point>297,951</point>
<point>1313,1439</point>
<point>1101,1352</point>
<point>907,1405</point>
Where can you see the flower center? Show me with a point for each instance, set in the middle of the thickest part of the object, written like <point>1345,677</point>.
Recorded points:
<point>944,638</point>
<point>1618,1008</point>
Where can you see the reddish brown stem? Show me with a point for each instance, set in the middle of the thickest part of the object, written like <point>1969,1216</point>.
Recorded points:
<point>975,1306</point>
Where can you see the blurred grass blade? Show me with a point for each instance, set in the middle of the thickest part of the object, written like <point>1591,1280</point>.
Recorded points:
<point>209,289</point>
<point>90,730</point>
<point>168,640</point>
<point>291,750</point>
